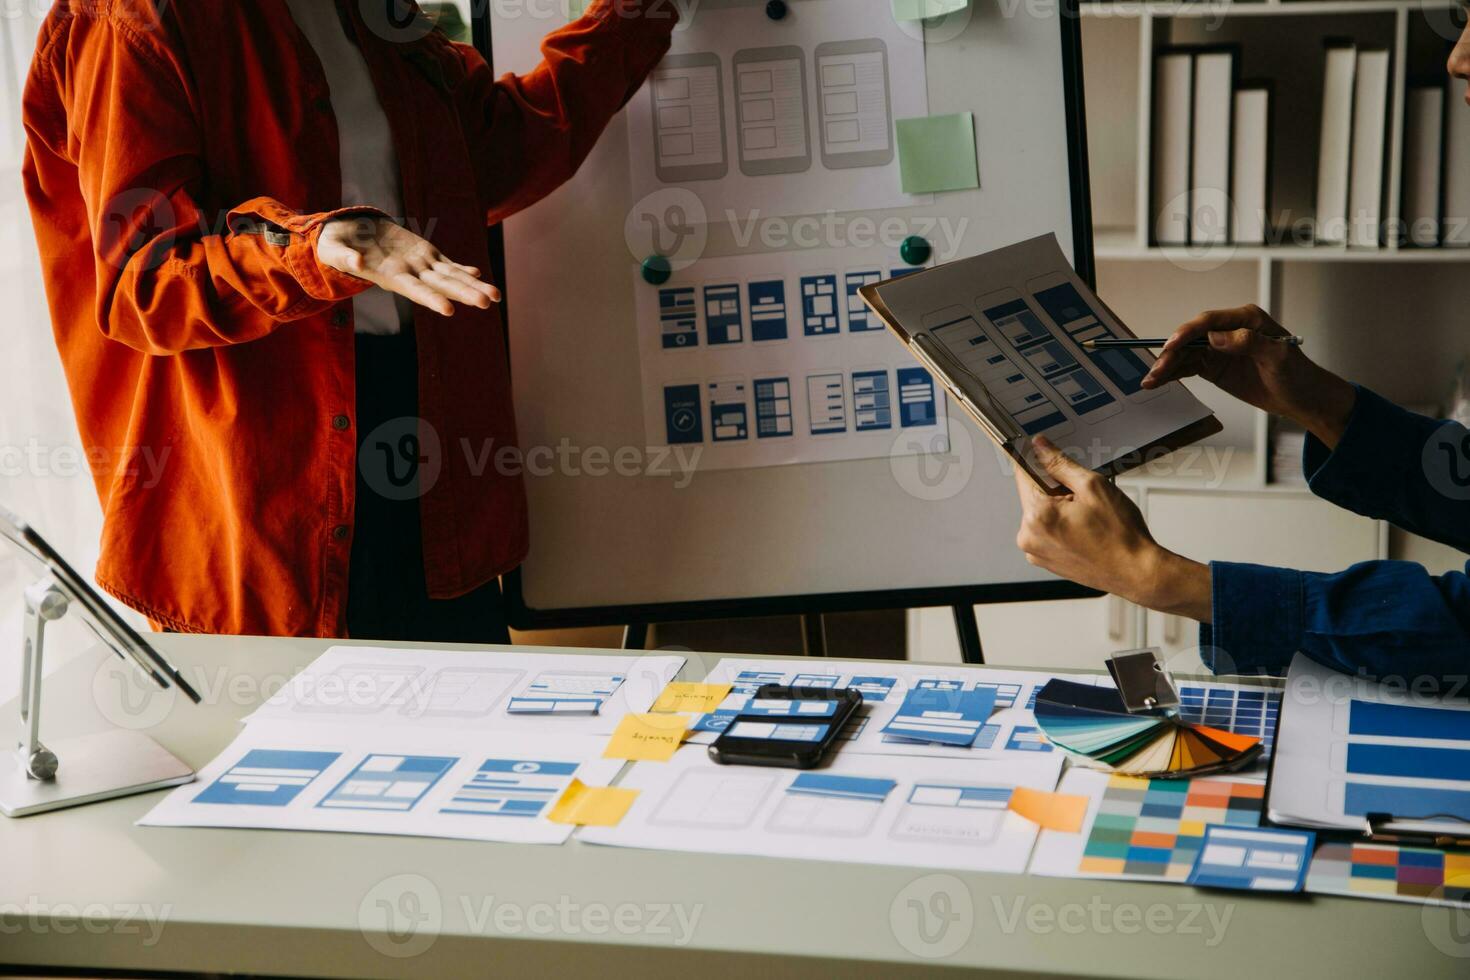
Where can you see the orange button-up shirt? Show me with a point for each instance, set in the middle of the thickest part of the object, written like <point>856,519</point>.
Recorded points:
<point>181,161</point>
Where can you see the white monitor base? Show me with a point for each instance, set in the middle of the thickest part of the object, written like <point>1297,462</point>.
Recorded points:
<point>92,767</point>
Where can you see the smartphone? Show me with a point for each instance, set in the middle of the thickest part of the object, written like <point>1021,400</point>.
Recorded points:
<point>792,727</point>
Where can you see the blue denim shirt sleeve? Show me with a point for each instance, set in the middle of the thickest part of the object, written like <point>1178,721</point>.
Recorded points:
<point>1384,617</point>
<point>1394,465</point>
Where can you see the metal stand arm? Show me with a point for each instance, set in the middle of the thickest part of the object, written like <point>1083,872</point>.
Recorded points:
<point>45,603</point>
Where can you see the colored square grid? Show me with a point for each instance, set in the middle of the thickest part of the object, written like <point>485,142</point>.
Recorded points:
<point>1390,871</point>
<point>1249,712</point>
<point>1155,828</point>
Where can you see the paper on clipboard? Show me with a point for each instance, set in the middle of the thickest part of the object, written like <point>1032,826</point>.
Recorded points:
<point>1003,332</point>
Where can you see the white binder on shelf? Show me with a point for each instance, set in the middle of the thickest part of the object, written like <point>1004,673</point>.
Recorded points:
<point>1250,169</point>
<point>1336,142</point>
<point>1214,84</point>
<point>1170,177</point>
<point>1369,143</point>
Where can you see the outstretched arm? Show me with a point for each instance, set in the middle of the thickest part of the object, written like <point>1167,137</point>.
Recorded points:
<point>115,104</point>
<point>529,133</point>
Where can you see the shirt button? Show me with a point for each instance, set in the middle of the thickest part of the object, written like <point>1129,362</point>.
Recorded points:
<point>340,422</point>
<point>322,105</point>
<point>340,532</point>
<point>340,318</point>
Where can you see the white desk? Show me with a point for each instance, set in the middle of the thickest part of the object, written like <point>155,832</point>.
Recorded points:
<point>271,902</point>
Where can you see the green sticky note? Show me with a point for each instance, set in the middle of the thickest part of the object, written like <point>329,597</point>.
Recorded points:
<point>937,153</point>
<point>922,9</point>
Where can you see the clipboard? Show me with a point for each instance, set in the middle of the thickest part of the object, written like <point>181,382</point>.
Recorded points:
<point>975,398</point>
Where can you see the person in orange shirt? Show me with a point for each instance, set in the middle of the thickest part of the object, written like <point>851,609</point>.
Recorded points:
<point>263,234</point>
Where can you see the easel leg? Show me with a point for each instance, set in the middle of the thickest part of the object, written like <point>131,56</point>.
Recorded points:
<point>635,636</point>
<point>813,635</point>
<point>969,633</point>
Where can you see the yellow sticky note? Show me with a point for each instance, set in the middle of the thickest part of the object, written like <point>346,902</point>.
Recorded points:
<point>694,698</point>
<point>647,738</point>
<point>592,806</point>
<point>1052,811</point>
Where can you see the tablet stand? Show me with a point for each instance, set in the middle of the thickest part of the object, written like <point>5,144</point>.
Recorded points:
<point>111,763</point>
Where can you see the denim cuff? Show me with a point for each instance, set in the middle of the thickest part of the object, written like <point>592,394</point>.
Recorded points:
<point>1257,613</point>
<point>1378,444</point>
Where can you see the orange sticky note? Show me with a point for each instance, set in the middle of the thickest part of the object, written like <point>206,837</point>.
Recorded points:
<point>647,738</point>
<point>592,806</point>
<point>1052,811</point>
<point>692,698</point>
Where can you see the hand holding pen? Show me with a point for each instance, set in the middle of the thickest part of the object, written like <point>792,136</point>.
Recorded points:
<point>1246,353</point>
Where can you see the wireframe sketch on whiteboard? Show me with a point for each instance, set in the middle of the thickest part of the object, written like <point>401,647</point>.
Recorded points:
<point>765,360</point>
<point>809,122</point>
<point>689,118</point>
<point>770,104</point>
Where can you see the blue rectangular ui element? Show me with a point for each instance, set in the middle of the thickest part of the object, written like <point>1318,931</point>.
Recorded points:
<point>772,407</point>
<point>1407,802</point>
<point>1253,859</point>
<point>819,305</point>
<point>916,402</point>
<point>511,788</point>
<point>872,404</point>
<point>1070,311</point>
<point>1408,761</point>
<point>722,323</point>
<point>682,417</point>
<point>845,787</point>
<point>1027,739</point>
<point>267,777</point>
<point>1407,721</point>
<point>387,782</point>
<point>872,687</point>
<point>767,309</point>
<point>729,415</point>
<point>677,317</point>
<point>948,717</point>
<point>859,318</point>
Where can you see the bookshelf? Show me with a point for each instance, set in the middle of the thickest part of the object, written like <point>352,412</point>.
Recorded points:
<point>1339,297</point>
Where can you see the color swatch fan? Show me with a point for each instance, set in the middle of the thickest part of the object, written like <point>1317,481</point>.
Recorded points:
<point>1091,723</point>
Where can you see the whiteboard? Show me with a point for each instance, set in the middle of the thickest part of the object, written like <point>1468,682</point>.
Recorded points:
<point>618,534</point>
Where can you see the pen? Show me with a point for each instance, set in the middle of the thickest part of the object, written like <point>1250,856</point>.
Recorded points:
<point>1113,343</point>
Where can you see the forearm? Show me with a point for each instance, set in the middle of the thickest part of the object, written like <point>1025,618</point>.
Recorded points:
<point>529,133</point>
<point>1325,410</point>
<point>1174,585</point>
<point>182,292</point>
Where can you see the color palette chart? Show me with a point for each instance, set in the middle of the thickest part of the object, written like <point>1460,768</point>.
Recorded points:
<point>1091,722</point>
<point>1155,828</point>
<point>1391,871</point>
<point>1243,711</point>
